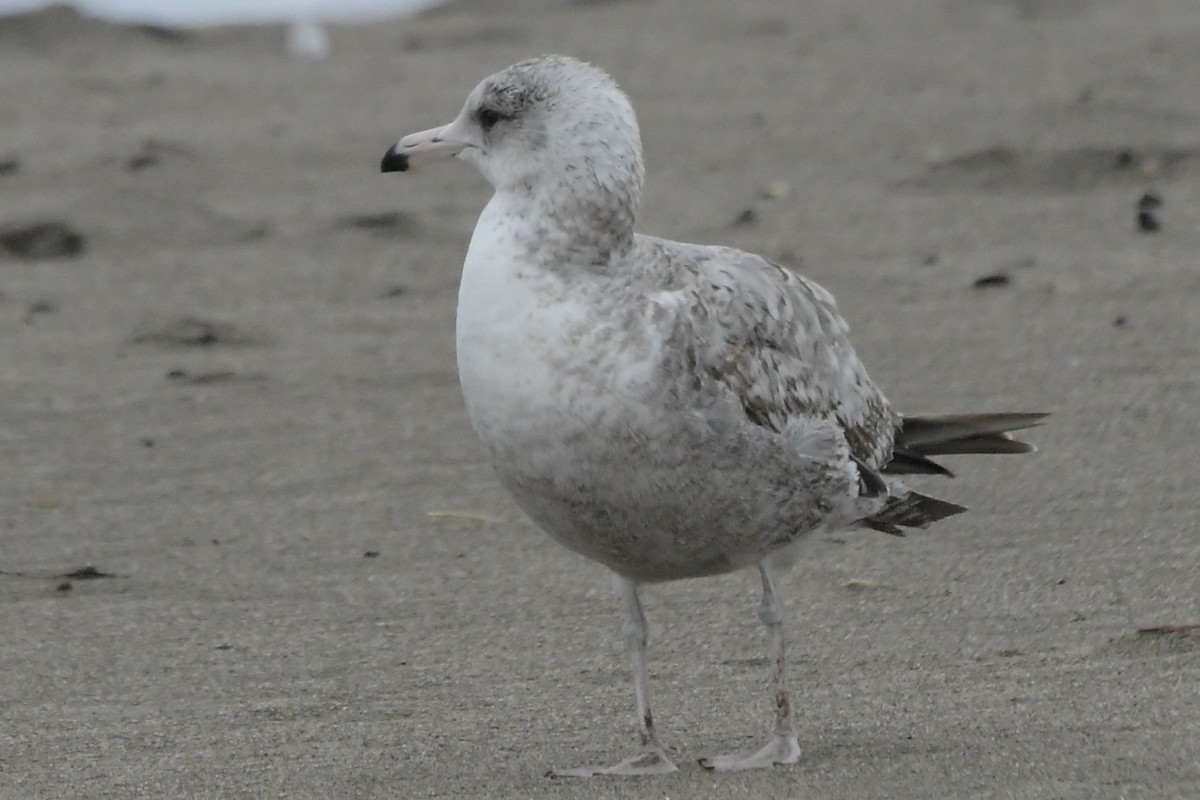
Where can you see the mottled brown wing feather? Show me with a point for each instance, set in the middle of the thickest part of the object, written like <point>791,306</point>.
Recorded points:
<point>785,353</point>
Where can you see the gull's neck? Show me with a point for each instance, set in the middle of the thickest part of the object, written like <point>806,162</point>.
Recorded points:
<point>569,226</point>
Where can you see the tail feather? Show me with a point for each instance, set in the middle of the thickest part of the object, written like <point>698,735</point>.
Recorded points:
<point>922,432</point>
<point>907,463</point>
<point>954,434</point>
<point>912,510</point>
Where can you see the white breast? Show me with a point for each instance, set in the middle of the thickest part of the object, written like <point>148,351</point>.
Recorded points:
<point>511,317</point>
<point>550,371</point>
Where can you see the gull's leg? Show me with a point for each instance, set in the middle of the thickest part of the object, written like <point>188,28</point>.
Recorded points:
<point>652,758</point>
<point>783,747</point>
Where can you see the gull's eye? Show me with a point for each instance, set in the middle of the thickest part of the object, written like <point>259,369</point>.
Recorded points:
<point>488,117</point>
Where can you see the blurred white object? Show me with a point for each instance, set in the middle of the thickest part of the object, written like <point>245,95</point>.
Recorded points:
<point>196,13</point>
<point>307,38</point>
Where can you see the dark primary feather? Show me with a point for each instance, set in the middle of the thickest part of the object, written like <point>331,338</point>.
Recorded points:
<point>911,510</point>
<point>953,434</point>
<point>920,437</point>
<point>929,432</point>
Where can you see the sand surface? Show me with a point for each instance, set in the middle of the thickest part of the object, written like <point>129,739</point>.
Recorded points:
<point>228,385</point>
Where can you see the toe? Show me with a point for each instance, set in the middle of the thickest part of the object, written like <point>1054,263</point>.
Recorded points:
<point>780,750</point>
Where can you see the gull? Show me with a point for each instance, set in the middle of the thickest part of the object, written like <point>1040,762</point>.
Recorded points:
<point>669,410</point>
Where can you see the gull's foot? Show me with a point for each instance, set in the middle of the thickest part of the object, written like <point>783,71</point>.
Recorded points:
<point>647,762</point>
<point>780,750</point>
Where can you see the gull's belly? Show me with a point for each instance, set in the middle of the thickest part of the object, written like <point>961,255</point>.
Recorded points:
<point>616,473</point>
<point>670,501</point>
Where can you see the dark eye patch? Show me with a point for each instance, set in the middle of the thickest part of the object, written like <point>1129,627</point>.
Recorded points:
<point>488,117</point>
<point>502,102</point>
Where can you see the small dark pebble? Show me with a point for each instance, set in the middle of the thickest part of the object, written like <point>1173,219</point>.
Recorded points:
<point>224,647</point>
<point>371,554</point>
<point>9,166</point>
<point>1125,158</point>
<point>41,240</point>
<point>1121,321</point>
<point>146,441</point>
<point>177,374</point>
<point>1147,204</point>
<point>163,33</point>
<point>88,573</point>
<point>141,161</point>
<point>43,306</point>
<point>65,586</point>
<point>993,280</point>
<point>394,291</point>
<point>745,218</point>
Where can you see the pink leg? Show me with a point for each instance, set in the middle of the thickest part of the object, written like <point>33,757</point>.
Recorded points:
<point>652,758</point>
<point>783,747</point>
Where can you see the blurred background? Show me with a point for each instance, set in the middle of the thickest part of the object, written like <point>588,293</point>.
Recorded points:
<point>224,12</point>
<point>250,546</point>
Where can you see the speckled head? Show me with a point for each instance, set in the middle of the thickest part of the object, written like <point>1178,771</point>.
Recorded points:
<point>547,120</point>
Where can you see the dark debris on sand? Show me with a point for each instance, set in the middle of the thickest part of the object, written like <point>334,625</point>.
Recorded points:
<point>41,240</point>
<point>188,331</point>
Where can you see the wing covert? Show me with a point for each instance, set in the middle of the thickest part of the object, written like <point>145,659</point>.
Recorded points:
<point>778,343</point>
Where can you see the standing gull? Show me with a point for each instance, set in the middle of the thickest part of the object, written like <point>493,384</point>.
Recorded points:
<point>670,410</point>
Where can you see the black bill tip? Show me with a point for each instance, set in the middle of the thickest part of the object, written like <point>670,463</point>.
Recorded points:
<point>393,161</point>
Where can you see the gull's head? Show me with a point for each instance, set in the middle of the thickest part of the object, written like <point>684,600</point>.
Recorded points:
<point>550,119</point>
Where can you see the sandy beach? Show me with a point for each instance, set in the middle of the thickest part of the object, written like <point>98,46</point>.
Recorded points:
<point>250,547</point>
